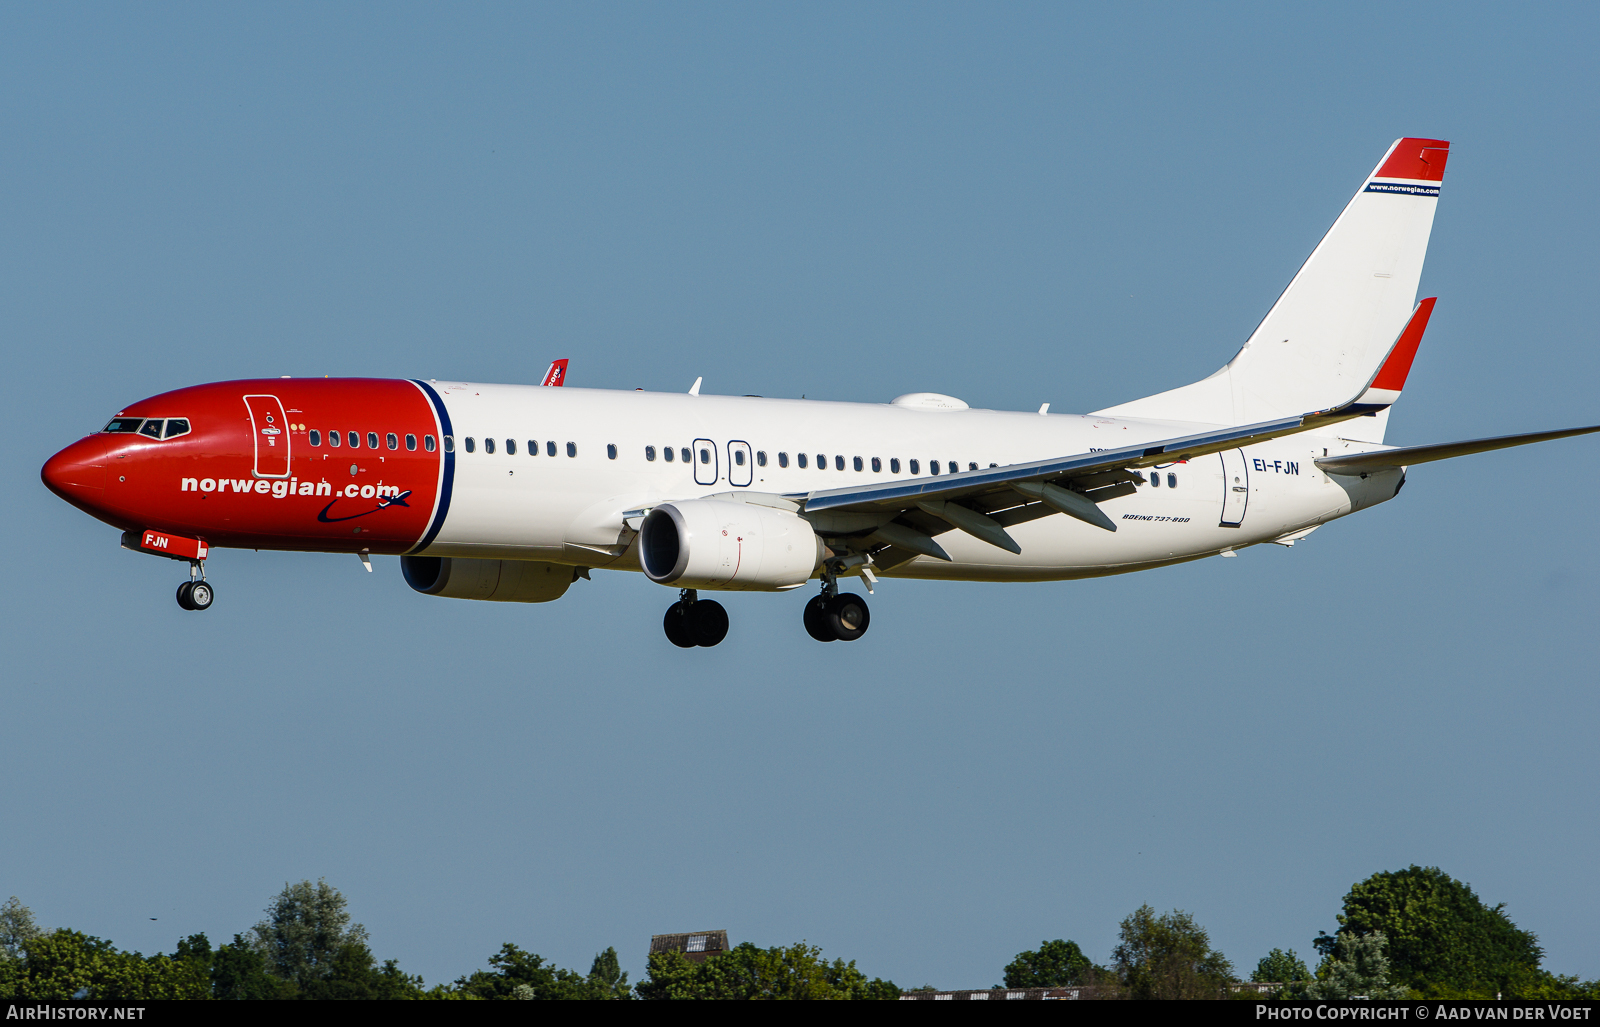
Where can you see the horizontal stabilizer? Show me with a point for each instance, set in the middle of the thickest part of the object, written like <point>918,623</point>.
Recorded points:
<point>1383,460</point>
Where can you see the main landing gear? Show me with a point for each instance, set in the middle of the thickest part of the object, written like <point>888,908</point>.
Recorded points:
<point>196,593</point>
<point>693,621</point>
<point>834,616</point>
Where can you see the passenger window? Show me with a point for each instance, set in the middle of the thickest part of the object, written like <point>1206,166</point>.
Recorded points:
<point>761,458</point>
<point>333,439</point>
<point>471,444</point>
<point>393,440</point>
<point>315,437</point>
<point>955,467</point>
<point>449,443</point>
<point>372,440</point>
<point>411,443</point>
<point>667,453</point>
<point>511,447</point>
<point>877,466</point>
<point>488,445</point>
<point>123,424</point>
<point>152,428</point>
<point>533,447</point>
<point>972,467</point>
<point>650,453</point>
<point>550,448</point>
<point>822,461</point>
<point>705,456</point>
<point>684,452</point>
<point>856,462</point>
<point>800,461</point>
<point>427,443</point>
<point>933,466</point>
<point>572,449</point>
<point>176,426</point>
<point>1172,481</point>
<point>355,439</point>
<point>1155,480</point>
<point>894,465</point>
<point>915,467</point>
<point>838,462</point>
<point>783,459</point>
<point>994,465</point>
<point>611,451</point>
<point>738,457</point>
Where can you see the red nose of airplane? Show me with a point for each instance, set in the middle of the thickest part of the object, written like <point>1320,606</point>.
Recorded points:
<point>78,473</point>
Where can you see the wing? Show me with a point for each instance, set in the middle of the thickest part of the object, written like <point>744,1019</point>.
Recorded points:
<point>1383,460</point>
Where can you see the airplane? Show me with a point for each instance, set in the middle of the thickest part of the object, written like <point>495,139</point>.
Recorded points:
<point>512,493</point>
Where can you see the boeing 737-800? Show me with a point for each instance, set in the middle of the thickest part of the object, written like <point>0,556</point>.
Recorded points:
<point>511,493</point>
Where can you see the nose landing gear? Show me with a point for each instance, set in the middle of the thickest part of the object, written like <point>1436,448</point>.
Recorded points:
<point>196,593</point>
<point>692,621</point>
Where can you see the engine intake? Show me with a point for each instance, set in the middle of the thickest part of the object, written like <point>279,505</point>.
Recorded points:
<point>717,544</point>
<point>499,581</point>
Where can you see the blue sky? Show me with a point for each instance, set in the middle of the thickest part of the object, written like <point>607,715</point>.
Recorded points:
<point>1014,205</point>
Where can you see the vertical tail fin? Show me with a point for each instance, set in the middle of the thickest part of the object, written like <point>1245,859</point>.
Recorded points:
<point>1335,323</point>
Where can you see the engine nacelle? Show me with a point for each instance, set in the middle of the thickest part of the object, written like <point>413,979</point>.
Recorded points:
<point>500,581</point>
<point>713,543</point>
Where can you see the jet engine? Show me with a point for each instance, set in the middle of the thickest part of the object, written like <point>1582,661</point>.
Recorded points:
<point>713,543</point>
<point>500,581</point>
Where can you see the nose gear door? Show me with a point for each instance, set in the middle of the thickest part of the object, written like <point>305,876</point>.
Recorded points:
<point>269,428</point>
<point>1235,487</point>
<point>740,466</point>
<point>705,462</point>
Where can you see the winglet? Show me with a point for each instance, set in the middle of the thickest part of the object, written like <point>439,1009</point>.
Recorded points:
<point>1391,377</point>
<point>557,374</point>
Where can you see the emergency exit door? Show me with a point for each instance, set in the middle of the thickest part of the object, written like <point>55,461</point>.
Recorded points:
<point>1235,487</point>
<point>271,431</point>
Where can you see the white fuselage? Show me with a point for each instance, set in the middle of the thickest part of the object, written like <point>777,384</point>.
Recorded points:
<point>571,509</point>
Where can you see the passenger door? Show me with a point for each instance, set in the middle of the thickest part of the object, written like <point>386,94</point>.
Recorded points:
<point>705,462</point>
<point>269,428</point>
<point>1235,487</point>
<point>741,464</point>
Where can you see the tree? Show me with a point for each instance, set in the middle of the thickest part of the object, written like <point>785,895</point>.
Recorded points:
<point>607,979</point>
<point>1439,932</point>
<point>524,975</point>
<point>1169,957</point>
<point>239,971</point>
<point>1357,968</point>
<point>1054,964</point>
<point>307,937</point>
<point>747,972</point>
<point>67,964</point>
<point>1280,967</point>
<point>16,928</point>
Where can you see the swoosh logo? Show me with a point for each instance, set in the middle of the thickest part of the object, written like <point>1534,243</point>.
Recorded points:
<point>383,504</point>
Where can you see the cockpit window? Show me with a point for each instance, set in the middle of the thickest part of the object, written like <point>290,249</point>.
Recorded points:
<point>124,424</point>
<point>176,426</point>
<point>152,428</point>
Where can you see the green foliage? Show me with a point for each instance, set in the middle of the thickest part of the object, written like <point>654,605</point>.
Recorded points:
<point>1440,934</point>
<point>239,971</point>
<point>308,940</point>
<point>67,964</point>
<point>1358,967</point>
<point>1169,957</point>
<point>1281,966</point>
<point>16,929</point>
<point>1054,964</point>
<point>747,972</point>
<point>525,975</point>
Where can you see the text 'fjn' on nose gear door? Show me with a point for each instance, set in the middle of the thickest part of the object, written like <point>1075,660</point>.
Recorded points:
<point>271,432</point>
<point>705,462</point>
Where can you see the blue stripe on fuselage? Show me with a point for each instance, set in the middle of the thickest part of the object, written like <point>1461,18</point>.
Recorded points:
<point>447,483</point>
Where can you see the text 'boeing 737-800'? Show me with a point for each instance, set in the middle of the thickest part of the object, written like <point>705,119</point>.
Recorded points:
<point>510,493</point>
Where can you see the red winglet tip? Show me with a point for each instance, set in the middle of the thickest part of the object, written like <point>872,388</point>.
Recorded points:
<point>1420,160</point>
<point>1392,375</point>
<point>557,374</point>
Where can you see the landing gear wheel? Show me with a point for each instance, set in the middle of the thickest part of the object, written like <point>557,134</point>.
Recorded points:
<point>708,622</point>
<point>816,619</point>
<point>676,625</point>
<point>183,595</point>
<point>847,616</point>
<point>201,596</point>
